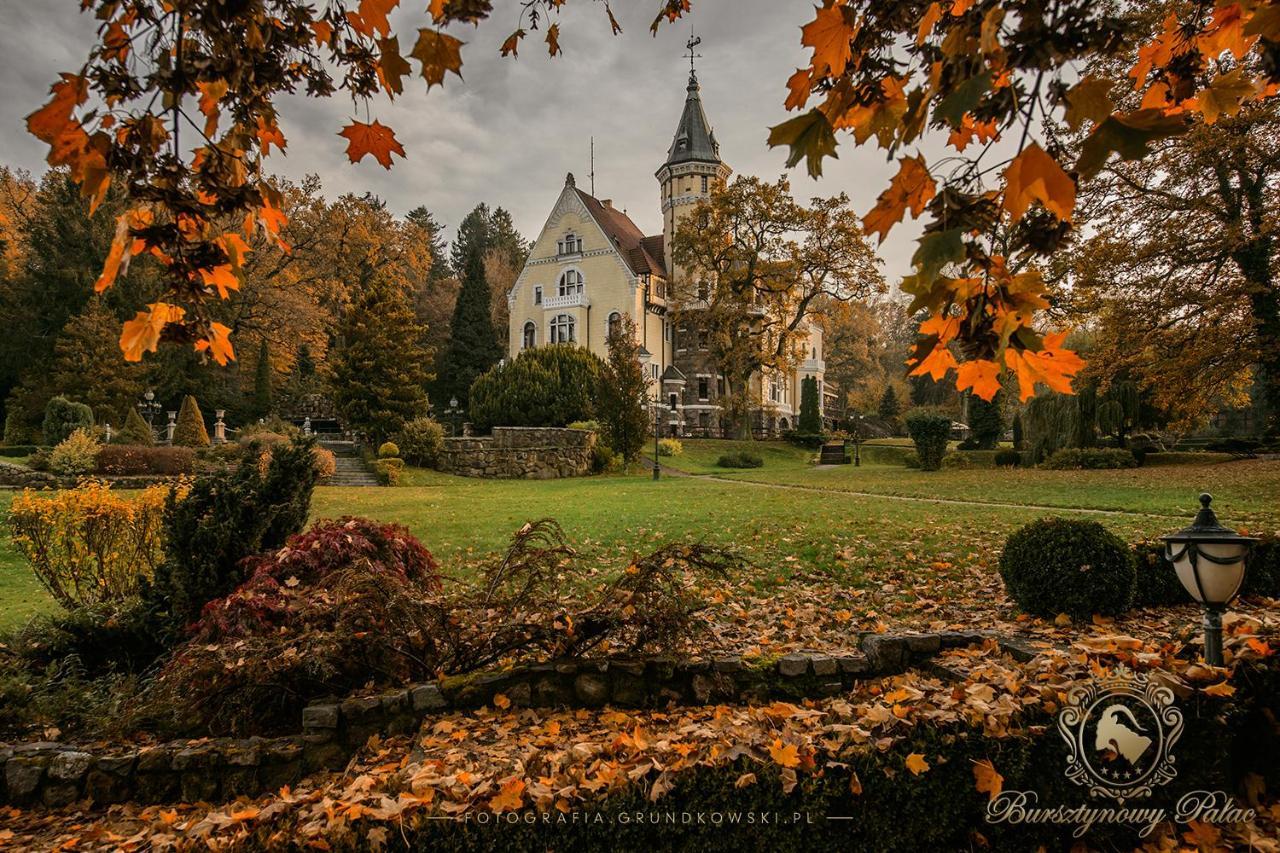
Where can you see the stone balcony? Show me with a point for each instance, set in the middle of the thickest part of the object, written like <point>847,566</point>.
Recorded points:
<point>571,300</point>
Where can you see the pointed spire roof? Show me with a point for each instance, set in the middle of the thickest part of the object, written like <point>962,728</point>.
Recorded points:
<point>694,141</point>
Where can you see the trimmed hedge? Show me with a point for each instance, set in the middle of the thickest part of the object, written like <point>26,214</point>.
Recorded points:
<point>929,432</point>
<point>740,459</point>
<point>1007,458</point>
<point>807,440</point>
<point>1058,565</point>
<point>1091,458</point>
<point>18,450</point>
<point>133,459</point>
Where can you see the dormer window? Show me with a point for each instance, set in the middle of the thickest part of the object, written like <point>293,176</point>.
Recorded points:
<point>571,244</point>
<point>570,283</point>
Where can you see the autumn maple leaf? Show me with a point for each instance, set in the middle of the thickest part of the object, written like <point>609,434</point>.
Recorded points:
<point>1035,176</point>
<point>142,333</point>
<point>986,779</point>
<point>911,189</point>
<point>376,139</point>
<point>510,797</point>
<point>1052,365</point>
<point>830,34</point>
<point>785,755</point>
<point>439,53</point>
<point>916,764</point>
<point>980,375</point>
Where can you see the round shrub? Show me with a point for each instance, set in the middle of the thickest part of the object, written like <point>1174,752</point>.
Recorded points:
<point>1068,566</point>
<point>911,459</point>
<point>547,386</point>
<point>78,454</point>
<point>63,417</point>
<point>388,450</point>
<point>421,440</point>
<point>670,447</point>
<point>929,432</point>
<point>388,471</point>
<point>1157,583</point>
<point>326,462</point>
<point>959,461</point>
<point>1007,457</point>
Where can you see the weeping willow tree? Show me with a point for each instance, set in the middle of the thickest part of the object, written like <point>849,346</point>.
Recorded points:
<point>1054,421</point>
<point>1051,422</point>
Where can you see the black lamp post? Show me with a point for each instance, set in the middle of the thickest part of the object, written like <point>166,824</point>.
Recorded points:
<point>857,441</point>
<point>149,408</point>
<point>452,414</point>
<point>657,429</point>
<point>1209,560</point>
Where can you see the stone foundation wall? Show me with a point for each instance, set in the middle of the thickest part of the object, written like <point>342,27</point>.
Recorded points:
<point>220,769</point>
<point>20,477</point>
<point>520,453</point>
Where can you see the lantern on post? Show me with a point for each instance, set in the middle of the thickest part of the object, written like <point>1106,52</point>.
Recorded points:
<point>1209,560</point>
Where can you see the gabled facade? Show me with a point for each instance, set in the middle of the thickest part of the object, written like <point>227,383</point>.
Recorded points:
<point>590,266</point>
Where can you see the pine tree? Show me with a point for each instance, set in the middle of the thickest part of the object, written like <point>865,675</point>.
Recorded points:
<point>379,362</point>
<point>87,366</point>
<point>473,346</point>
<point>440,269</point>
<point>810,422</point>
<point>1017,432</point>
<point>889,408</point>
<point>135,430</point>
<point>190,431</point>
<point>986,421</point>
<point>474,235</point>
<point>262,405</point>
<point>622,393</point>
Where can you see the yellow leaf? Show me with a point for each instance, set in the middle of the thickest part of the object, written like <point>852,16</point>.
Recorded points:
<point>1035,176</point>
<point>916,764</point>
<point>784,755</point>
<point>1221,689</point>
<point>501,701</point>
<point>986,779</point>
<point>510,797</point>
<point>142,333</point>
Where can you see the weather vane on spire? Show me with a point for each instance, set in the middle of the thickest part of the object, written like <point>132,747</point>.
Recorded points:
<point>694,41</point>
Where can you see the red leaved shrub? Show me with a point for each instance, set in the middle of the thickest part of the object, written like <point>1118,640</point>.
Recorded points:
<point>137,459</point>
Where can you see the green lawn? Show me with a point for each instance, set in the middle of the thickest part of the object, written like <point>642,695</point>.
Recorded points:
<point>822,529</point>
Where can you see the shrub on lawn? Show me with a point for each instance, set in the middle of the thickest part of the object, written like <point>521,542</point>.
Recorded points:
<point>959,461</point>
<point>911,459</point>
<point>670,447</point>
<point>268,427</point>
<point>388,450</point>
<point>135,431</point>
<point>1008,458</point>
<point>190,431</point>
<point>740,459</point>
<point>325,461</point>
<point>1059,565</point>
<point>63,417</point>
<point>388,471</point>
<point>1157,583</point>
<point>420,441</point>
<point>1092,458</point>
<point>226,517</point>
<point>807,440</point>
<point>547,386</point>
<point>338,605</point>
<point>90,545</point>
<point>929,432</point>
<point>77,454</point>
<point>135,459</point>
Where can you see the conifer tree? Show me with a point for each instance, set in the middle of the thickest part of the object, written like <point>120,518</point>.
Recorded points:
<point>135,430</point>
<point>262,404</point>
<point>890,407</point>
<point>473,346</point>
<point>810,422</point>
<point>190,431</point>
<point>379,363</point>
<point>622,392</point>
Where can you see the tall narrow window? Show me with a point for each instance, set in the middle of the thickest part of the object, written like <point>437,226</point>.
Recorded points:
<point>703,388</point>
<point>530,331</point>
<point>537,295</point>
<point>615,324</point>
<point>570,283</point>
<point>704,183</point>
<point>564,329</point>
<point>675,400</point>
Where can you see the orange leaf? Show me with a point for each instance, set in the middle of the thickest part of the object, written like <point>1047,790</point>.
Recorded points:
<point>786,756</point>
<point>218,344</point>
<point>1052,366</point>
<point>959,7</point>
<point>374,13</point>
<point>1222,689</point>
<point>936,363</point>
<point>376,139</point>
<point>269,134</point>
<point>438,53</point>
<point>553,39</point>
<point>436,8</point>
<point>981,375</point>
<point>221,277</point>
<point>511,47</point>
<point>122,246</point>
<point>52,120</point>
<point>501,701</point>
<point>931,17</point>
<point>211,92</point>
<point>912,188</point>
<point>323,30</point>
<point>829,34</point>
<point>985,778</point>
<point>798,86</point>
<point>142,333</point>
<point>510,797</point>
<point>1035,176</point>
<point>916,764</point>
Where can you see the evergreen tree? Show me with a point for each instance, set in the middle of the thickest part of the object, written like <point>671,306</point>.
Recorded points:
<point>379,362</point>
<point>810,422</point>
<point>474,235</point>
<point>135,430</point>
<point>890,407</point>
<point>262,381</point>
<point>622,393</point>
<point>473,345</point>
<point>440,269</point>
<point>190,431</point>
<point>1017,432</point>
<point>304,365</point>
<point>986,421</point>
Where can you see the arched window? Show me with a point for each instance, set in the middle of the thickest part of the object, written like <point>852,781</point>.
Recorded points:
<point>563,329</point>
<point>570,245</point>
<point>530,331</point>
<point>570,283</point>
<point>615,324</point>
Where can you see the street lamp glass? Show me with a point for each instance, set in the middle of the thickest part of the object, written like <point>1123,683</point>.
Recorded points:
<point>453,402</point>
<point>1217,572</point>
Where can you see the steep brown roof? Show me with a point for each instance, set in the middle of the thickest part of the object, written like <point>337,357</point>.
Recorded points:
<point>630,241</point>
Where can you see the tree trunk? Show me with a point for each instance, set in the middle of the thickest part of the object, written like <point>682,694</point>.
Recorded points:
<point>1254,262</point>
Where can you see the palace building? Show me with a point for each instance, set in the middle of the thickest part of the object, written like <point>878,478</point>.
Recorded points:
<point>591,266</point>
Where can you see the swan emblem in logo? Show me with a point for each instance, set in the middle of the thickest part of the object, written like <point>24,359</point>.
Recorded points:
<point>1120,731</point>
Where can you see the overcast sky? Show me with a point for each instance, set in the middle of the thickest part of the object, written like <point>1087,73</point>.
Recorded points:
<point>509,131</point>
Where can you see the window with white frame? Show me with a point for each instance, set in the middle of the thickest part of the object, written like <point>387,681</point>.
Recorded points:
<point>564,329</point>
<point>774,394</point>
<point>614,326</point>
<point>570,283</point>
<point>570,244</point>
<point>530,335</point>
<point>537,295</point>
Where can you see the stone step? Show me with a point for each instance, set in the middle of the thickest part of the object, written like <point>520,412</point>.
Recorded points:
<point>832,454</point>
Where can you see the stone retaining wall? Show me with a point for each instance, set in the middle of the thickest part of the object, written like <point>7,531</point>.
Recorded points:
<point>520,453</point>
<point>220,769</point>
<point>20,477</point>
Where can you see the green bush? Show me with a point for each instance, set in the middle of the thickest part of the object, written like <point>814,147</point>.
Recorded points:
<point>18,450</point>
<point>911,459</point>
<point>740,459</point>
<point>547,386</point>
<point>388,470</point>
<point>135,431</point>
<point>77,454</point>
<point>63,417</point>
<point>226,517</point>
<point>1008,458</point>
<point>670,447</point>
<point>810,421</point>
<point>421,441</point>
<point>388,450</point>
<point>190,431</point>
<point>959,461</point>
<point>1092,458</point>
<point>271,424</point>
<point>1068,566</point>
<point>1263,577</point>
<point>603,458</point>
<point>1157,583</point>
<point>807,440</point>
<point>929,432</point>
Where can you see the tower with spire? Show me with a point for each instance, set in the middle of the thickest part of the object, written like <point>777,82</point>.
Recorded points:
<point>693,168</point>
